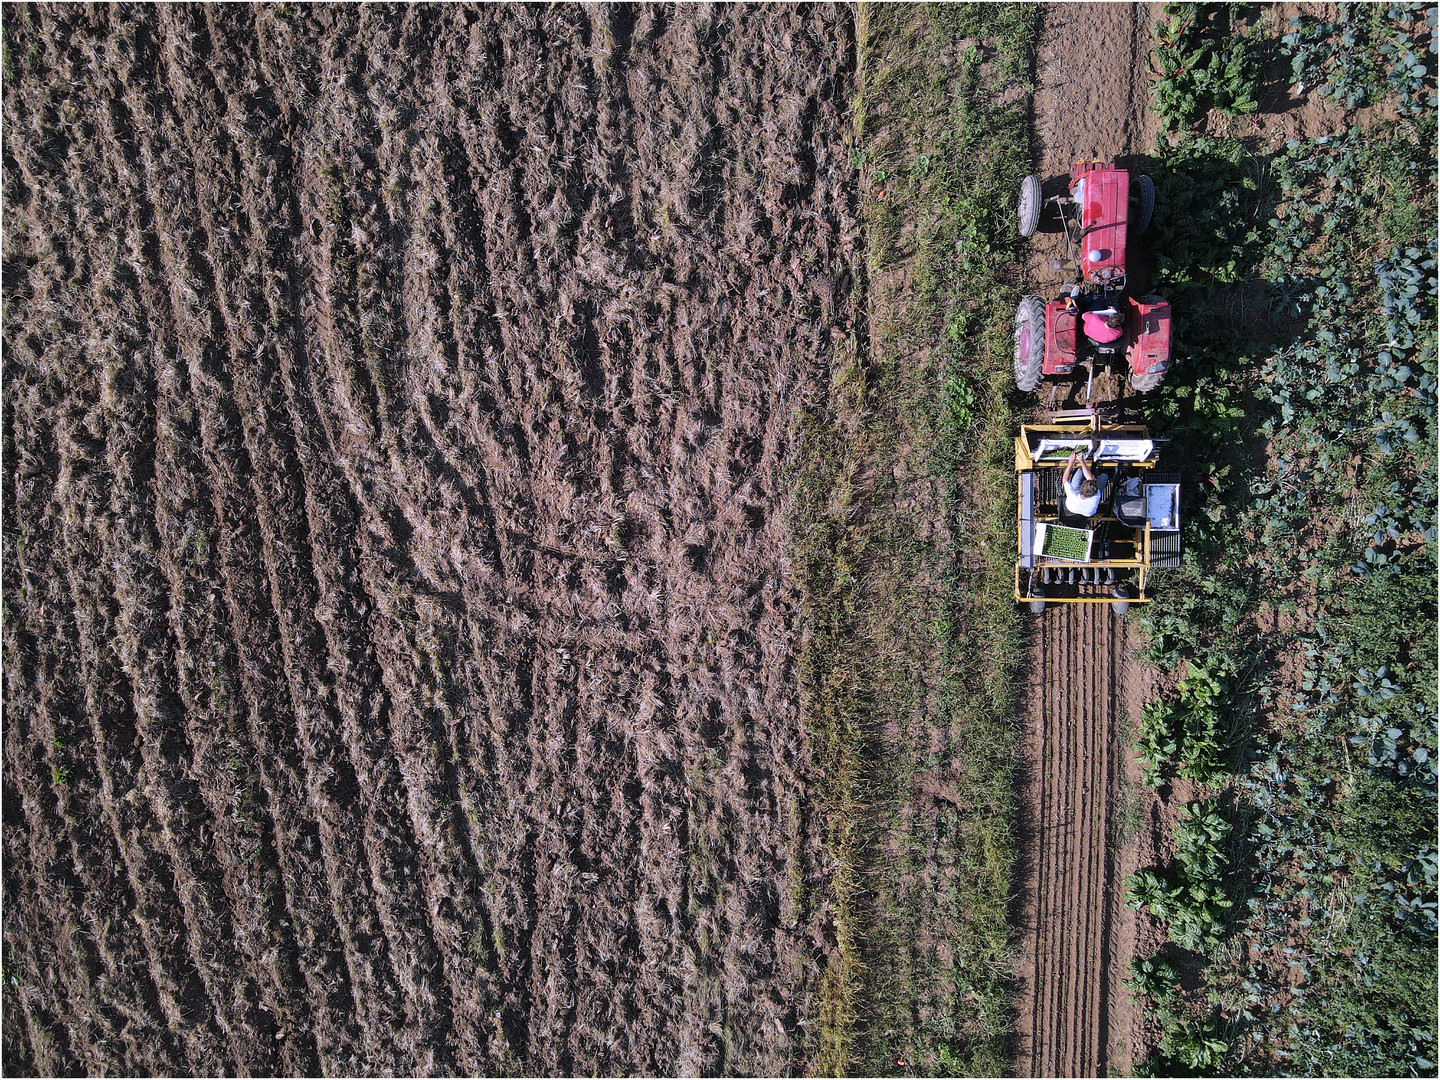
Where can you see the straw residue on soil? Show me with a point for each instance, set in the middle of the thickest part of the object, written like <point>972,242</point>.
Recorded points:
<point>399,638</point>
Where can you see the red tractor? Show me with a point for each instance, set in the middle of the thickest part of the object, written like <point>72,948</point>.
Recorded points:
<point>1093,320</point>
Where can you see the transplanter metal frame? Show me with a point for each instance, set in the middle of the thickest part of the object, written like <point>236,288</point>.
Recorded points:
<point>1033,474</point>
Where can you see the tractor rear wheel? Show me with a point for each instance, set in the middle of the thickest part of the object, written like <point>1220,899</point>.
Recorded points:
<point>1143,384</point>
<point>1029,343</point>
<point>1144,199</point>
<point>1030,204</point>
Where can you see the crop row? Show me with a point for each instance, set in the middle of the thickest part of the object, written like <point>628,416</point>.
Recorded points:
<point>1314,948</point>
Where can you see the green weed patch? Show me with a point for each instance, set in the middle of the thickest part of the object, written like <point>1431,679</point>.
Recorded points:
<point>903,523</point>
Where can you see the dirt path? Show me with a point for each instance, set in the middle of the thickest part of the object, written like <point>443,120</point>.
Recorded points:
<point>1089,102</point>
<point>1093,94</point>
<point>1075,1015</point>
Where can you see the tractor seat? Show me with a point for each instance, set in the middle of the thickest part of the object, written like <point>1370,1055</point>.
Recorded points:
<point>1130,506</point>
<point>1065,517</point>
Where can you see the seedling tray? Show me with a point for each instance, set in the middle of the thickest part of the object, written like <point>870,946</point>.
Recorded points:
<point>1064,542</point>
<point>1049,451</point>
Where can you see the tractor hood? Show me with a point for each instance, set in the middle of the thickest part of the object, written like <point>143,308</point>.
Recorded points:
<point>1103,195</point>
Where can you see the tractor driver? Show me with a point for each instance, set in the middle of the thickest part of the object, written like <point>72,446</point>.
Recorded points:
<point>1083,489</point>
<point>1103,327</point>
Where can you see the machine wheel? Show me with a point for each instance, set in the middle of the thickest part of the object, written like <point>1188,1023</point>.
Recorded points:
<point>1144,198</point>
<point>1143,384</point>
<point>1030,204</point>
<point>1037,607</point>
<point>1121,603</point>
<point>1029,343</point>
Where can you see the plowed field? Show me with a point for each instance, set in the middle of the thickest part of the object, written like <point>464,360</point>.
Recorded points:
<point>1076,1019</point>
<point>399,635</point>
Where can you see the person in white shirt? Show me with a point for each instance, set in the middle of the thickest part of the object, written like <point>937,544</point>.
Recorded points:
<point>1083,489</point>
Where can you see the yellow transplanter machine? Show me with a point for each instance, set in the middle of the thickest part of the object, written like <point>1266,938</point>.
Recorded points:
<point>1107,556</point>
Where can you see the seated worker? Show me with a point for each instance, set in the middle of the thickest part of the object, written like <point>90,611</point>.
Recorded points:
<point>1103,327</point>
<point>1084,489</point>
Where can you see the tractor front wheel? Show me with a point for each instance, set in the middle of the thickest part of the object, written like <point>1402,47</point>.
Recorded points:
<point>1029,343</point>
<point>1144,198</point>
<point>1030,204</point>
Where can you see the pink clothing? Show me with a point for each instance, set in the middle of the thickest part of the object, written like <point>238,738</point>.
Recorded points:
<point>1096,330</point>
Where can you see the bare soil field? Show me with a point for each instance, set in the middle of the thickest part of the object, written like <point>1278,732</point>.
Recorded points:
<point>399,633</point>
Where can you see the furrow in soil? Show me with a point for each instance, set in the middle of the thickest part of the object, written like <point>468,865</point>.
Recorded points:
<point>401,670</point>
<point>1069,813</point>
<point>1073,703</point>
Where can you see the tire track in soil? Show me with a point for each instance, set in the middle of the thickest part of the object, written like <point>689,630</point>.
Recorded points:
<point>80,460</point>
<point>221,907</point>
<point>195,353</point>
<point>99,855</point>
<point>50,830</point>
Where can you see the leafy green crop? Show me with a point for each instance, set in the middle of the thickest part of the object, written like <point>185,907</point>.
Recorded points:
<point>1188,730</point>
<point>1361,59</point>
<point>1190,899</point>
<point>1195,1044</point>
<point>1154,978</point>
<point>1157,741</point>
<point>1207,200</point>
<point>1203,60</point>
<point>1305,284</point>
